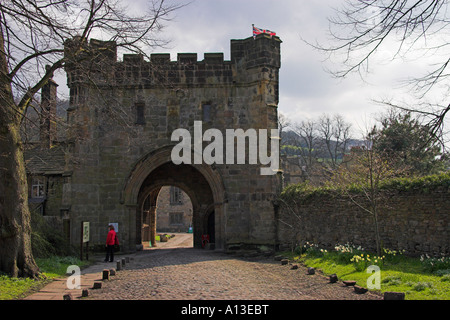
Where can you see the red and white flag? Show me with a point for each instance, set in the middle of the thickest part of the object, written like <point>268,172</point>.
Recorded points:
<point>257,31</point>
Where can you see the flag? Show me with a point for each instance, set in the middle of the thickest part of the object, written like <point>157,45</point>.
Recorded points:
<point>257,31</point>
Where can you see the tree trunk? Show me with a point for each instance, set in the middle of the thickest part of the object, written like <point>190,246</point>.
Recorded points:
<point>377,229</point>
<point>16,258</point>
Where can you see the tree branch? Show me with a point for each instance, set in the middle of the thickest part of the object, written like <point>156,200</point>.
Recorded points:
<point>28,96</point>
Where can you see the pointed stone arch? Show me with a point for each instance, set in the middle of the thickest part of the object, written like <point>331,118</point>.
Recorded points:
<point>203,184</point>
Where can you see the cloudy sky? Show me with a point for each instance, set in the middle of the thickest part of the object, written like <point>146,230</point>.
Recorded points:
<point>306,89</point>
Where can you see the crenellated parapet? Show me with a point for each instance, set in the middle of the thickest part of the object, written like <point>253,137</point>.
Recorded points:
<point>252,59</point>
<point>161,71</point>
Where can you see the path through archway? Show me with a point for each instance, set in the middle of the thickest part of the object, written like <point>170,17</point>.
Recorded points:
<point>167,211</point>
<point>201,183</point>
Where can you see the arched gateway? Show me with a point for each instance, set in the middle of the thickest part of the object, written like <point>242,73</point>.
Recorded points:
<point>120,123</point>
<point>202,183</point>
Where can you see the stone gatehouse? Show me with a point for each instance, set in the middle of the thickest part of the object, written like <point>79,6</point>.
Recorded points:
<point>116,154</point>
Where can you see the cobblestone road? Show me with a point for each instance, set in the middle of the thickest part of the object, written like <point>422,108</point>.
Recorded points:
<point>196,274</point>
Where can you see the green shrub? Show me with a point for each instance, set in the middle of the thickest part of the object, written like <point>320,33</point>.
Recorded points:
<point>46,241</point>
<point>56,265</point>
<point>420,286</point>
<point>392,281</point>
<point>392,256</point>
<point>346,252</point>
<point>304,192</point>
<point>312,250</point>
<point>433,264</point>
<point>446,277</point>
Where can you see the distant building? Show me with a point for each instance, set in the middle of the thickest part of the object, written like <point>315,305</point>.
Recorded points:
<point>173,210</point>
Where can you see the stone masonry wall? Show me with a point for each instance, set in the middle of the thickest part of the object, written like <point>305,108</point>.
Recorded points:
<point>122,111</point>
<point>165,208</point>
<point>418,223</point>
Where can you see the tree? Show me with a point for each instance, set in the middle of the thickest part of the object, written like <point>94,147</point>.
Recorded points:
<point>32,38</point>
<point>307,143</point>
<point>283,124</point>
<point>362,31</point>
<point>408,143</point>
<point>335,134</point>
<point>319,145</point>
<point>360,181</point>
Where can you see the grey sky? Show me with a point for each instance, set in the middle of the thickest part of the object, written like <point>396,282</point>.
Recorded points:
<point>306,90</point>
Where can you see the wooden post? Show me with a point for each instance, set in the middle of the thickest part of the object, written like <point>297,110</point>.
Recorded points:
<point>81,241</point>
<point>87,250</point>
<point>105,274</point>
<point>84,235</point>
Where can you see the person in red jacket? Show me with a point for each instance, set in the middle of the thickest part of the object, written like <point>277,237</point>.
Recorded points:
<point>111,241</point>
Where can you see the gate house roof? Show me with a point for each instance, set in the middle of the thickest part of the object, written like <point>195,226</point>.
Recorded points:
<point>44,161</point>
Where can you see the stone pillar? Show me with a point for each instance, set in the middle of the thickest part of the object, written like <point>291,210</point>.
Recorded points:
<point>220,225</point>
<point>130,242</point>
<point>152,224</point>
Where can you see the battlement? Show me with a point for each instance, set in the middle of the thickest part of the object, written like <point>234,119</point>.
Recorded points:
<point>162,59</point>
<point>99,59</point>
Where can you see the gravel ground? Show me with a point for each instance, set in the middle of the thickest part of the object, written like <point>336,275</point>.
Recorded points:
<point>196,274</point>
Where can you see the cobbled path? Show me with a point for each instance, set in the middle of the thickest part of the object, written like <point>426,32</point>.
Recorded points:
<point>196,274</point>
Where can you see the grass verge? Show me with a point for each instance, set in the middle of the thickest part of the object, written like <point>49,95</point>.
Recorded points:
<point>51,268</point>
<point>419,278</point>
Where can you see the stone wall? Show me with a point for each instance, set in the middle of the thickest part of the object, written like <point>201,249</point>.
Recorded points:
<point>416,222</point>
<point>165,208</point>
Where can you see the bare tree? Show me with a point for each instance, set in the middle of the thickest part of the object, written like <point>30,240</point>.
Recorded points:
<point>32,38</point>
<point>361,179</point>
<point>283,124</point>
<point>307,142</point>
<point>364,30</point>
<point>335,134</point>
<point>340,137</point>
<point>317,146</point>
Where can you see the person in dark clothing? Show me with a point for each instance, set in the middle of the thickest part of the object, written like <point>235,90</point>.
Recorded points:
<point>111,241</point>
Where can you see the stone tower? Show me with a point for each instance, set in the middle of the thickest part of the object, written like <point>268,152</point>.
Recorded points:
<point>48,113</point>
<point>121,118</point>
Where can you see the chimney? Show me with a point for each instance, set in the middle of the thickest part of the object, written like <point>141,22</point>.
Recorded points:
<point>48,112</point>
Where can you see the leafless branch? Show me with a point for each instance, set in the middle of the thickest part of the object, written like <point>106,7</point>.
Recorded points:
<point>361,30</point>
